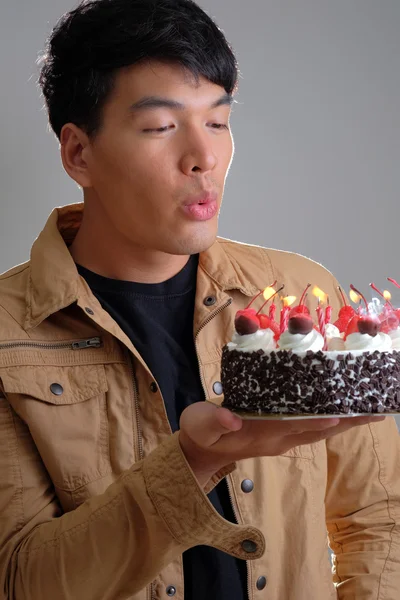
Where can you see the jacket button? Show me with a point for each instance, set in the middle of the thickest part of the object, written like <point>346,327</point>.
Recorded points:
<point>249,546</point>
<point>89,311</point>
<point>210,300</point>
<point>261,583</point>
<point>217,387</point>
<point>247,486</point>
<point>171,590</point>
<point>56,389</point>
<point>154,387</point>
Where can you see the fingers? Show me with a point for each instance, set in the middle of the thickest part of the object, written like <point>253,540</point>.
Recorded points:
<point>228,420</point>
<point>310,425</point>
<point>321,424</point>
<point>205,423</point>
<point>351,422</point>
<point>343,425</point>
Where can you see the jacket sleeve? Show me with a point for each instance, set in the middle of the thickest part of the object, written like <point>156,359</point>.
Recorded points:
<point>363,511</point>
<point>114,544</point>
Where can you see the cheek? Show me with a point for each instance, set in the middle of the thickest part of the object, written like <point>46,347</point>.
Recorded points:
<point>120,167</point>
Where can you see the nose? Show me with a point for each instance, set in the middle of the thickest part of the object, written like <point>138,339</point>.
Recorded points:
<point>199,156</point>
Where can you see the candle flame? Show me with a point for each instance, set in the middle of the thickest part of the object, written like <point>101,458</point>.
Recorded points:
<point>289,300</point>
<point>387,295</point>
<point>354,297</point>
<point>268,293</point>
<point>320,294</point>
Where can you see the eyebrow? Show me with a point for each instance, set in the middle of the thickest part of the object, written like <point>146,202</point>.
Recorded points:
<point>152,102</point>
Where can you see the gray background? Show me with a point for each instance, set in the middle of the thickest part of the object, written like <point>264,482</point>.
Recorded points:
<point>317,131</point>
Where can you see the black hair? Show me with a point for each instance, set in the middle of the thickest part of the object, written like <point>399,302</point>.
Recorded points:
<point>90,43</point>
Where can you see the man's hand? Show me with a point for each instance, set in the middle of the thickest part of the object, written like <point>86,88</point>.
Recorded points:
<point>212,437</point>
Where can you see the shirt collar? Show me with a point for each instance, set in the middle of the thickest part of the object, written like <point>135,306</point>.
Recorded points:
<point>55,283</point>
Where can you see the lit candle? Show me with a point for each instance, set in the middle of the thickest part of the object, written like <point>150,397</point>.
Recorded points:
<point>284,320</point>
<point>269,294</point>
<point>322,297</point>
<point>328,313</point>
<point>356,298</point>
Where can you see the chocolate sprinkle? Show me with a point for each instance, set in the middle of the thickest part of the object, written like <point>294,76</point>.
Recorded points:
<point>281,382</point>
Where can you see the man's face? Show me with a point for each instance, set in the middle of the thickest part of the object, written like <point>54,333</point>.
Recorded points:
<point>159,162</point>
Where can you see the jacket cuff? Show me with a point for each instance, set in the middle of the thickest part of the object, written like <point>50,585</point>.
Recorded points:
<point>185,509</point>
<point>215,479</point>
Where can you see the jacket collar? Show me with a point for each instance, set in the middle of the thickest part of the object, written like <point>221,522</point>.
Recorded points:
<point>55,283</point>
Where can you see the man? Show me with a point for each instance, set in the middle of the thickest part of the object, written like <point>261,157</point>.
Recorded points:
<point>117,481</point>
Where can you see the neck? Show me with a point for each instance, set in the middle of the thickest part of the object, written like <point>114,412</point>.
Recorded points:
<point>104,251</point>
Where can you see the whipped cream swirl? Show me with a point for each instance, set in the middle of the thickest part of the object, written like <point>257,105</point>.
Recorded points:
<point>334,338</point>
<point>301,343</point>
<point>332,331</point>
<point>368,343</point>
<point>263,339</point>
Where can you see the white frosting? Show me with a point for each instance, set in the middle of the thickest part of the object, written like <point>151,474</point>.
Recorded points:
<point>335,343</point>
<point>357,343</point>
<point>365,342</point>
<point>298,342</point>
<point>332,331</point>
<point>334,338</point>
<point>395,337</point>
<point>263,339</point>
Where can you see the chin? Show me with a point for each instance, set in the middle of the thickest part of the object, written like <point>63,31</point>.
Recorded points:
<point>196,242</point>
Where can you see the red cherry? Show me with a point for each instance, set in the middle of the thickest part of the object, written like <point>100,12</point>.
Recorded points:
<point>368,325</point>
<point>300,323</point>
<point>246,312</point>
<point>246,323</point>
<point>346,312</point>
<point>301,309</point>
<point>363,325</point>
<point>267,323</point>
<point>341,324</point>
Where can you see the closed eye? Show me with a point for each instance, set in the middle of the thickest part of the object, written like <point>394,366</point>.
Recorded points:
<point>217,126</point>
<point>158,130</point>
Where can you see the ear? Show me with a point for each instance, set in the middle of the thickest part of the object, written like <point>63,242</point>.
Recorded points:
<point>75,150</point>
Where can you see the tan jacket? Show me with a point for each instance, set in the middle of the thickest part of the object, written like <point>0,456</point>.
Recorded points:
<point>97,501</point>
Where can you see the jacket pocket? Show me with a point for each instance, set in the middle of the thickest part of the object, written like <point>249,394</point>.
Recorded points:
<point>66,412</point>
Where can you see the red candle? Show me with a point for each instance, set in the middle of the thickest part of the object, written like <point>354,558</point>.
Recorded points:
<point>284,318</point>
<point>321,323</point>
<point>328,314</point>
<point>272,311</point>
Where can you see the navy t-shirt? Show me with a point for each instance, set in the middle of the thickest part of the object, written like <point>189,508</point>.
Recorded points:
<point>158,318</point>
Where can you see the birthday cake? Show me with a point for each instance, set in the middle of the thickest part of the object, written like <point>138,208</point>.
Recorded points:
<point>302,368</point>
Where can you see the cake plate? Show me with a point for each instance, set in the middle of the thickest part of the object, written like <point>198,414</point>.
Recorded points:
<point>248,415</point>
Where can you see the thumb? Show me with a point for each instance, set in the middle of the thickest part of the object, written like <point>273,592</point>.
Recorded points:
<point>204,423</point>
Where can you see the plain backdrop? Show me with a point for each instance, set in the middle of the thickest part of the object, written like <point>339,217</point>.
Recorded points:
<point>316,127</point>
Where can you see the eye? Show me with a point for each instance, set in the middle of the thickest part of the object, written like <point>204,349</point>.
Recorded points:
<point>158,129</point>
<point>219,126</point>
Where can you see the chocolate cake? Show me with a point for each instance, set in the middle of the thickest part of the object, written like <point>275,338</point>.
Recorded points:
<point>299,368</point>
<point>314,383</point>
